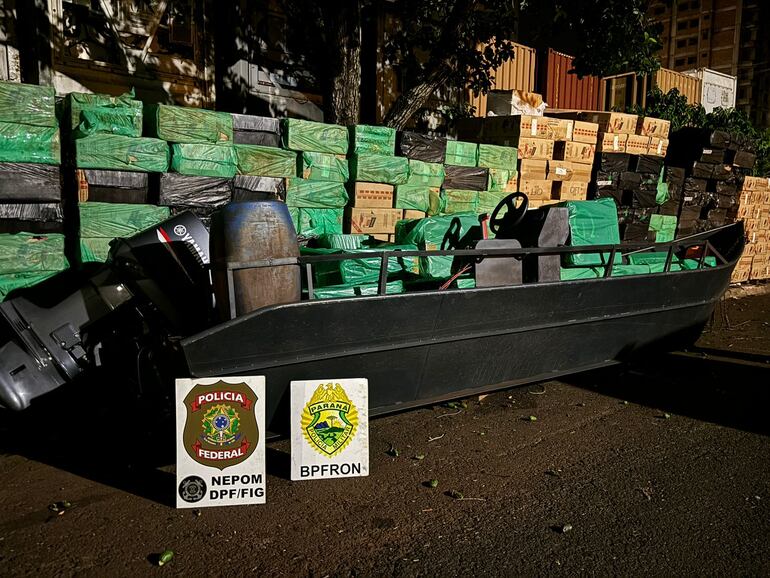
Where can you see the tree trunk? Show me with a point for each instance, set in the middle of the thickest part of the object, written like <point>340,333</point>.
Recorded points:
<point>413,100</point>
<point>342,81</point>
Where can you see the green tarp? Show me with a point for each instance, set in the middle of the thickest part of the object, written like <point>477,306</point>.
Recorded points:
<point>592,223</point>
<point>662,195</point>
<point>27,259</point>
<point>25,143</point>
<point>323,167</point>
<point>359,271</point>
<point>664,227</point>
<point>425,174</point>
<point>460,201</point>
<point>342,241</point>
<point>104,114</point>
<point>571,273</point>
<point>428,234</point>
<point>657,260</point>
<point>340,291</point>
<point>377,140</point>
<point>27,104</point>
<point>122,153</point>
<point>379,169</point>
<point>187,125</point>
<point>641,264</point>
<point>102,222</point>
<point>265,161</point>
<point>461,154</point>
<point>311,222</point>
<point>306,135</point>
<point>501,180</point>
<point>204,160</point>
<point>497,157</point>
<point>315,194</point>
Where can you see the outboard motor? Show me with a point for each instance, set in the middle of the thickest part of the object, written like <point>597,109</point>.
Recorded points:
<point>161,273</point>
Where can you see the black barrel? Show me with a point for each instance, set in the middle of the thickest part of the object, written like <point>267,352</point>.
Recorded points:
<point>254,256</point>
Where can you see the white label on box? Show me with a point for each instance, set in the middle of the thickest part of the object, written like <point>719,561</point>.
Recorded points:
<point>688,199</point>
<point>707,151</point>
<point>570,128</point>
<point>616,142</point>
<point>561,171</point>
<point>220,449</point>
<point>660,147</point>
<point>329,428</point>
<point>603,183</point>
<point>533,130</point>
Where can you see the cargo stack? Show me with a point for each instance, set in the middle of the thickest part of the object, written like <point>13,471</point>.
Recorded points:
<point>259,181</point>
<point>376,173</point>
<point>754,210</point>
<point>714,165</point>
<point>30,159</point>
<point>316,194</point>
<point>31,243</point>
<point>113,163</point>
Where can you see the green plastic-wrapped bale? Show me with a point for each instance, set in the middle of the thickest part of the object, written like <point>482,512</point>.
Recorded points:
<point>25,143</point>
<point>379,169</point>
<point>592,223</point>
<point>104,114</point>
<point>204,160</point>
<point>359,271</point>
<point>187,125</point>
<point>122,153</point>
<point>461,154</point>
<point>664,227</point>
<point>502,180</point>
<point>572,273</point>
<point>377,140</point>
<point>27,104</point>
<point>311,222</point>
<point>102,222</point>
<point>497,157</point>
<point>460,201</point>
<point>428,235</point>
<point>342,241</point>
<point>315,194</point>
<point>418,198</point>
<point>340,291</point>
<point>306,135</point>
<point>323,167</point>
<point>488,200</point>
<point>262,161</point>
<point>427,174</point>
<point>27,259</point>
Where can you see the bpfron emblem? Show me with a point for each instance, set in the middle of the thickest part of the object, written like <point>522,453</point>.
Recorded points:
<point>221,428</point>
<point>329,420</point>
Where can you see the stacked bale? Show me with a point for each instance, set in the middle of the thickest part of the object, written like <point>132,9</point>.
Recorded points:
<point>31,243</point>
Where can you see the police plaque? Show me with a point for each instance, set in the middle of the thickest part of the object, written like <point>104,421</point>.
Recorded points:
<point>329,428</point>
<point>220,450</point>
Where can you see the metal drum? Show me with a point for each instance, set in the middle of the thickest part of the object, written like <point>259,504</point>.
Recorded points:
<point>254,257</point>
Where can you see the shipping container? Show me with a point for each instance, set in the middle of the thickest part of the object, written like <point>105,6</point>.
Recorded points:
<point>563,90</point>
<point>515,74</point>
<point>717,89</point>
<point>622,91</point>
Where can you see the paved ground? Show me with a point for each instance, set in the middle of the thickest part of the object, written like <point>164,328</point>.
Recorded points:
<point>659,469</point>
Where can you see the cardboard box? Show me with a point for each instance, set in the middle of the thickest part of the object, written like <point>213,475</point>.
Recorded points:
<point>658,146</point>
<point>572,191</point>
<point>536,189</point>
<point>535,148</point>
<point>412,214</point>
<point>533,169</point>
<point>587,132</point>
<point>559,171</point>
<point>537,203</point>
<point>384,237</point>
<point>657,127</point>
<point>371,221</point>
<point>372,195</point>
<point>756,184</point>
<point>612,122</point>
<point>575,152</point>
<point>637,144</point>
<point>612,143</point>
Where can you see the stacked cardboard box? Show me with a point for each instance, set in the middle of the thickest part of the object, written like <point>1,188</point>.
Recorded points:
<point>754,210</point>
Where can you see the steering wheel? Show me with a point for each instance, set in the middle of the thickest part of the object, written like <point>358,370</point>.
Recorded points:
<point>513,215</point>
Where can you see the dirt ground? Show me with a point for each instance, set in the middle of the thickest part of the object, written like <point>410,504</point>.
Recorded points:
<point>655,469</point>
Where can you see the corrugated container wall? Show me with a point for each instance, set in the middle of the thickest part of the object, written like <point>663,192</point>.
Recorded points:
<point>515,74</point>
<point>717,89</point>
<point>687,85</point>
<point>563,90</point>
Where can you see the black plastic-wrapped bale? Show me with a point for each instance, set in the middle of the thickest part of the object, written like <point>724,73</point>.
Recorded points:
<point>106,186</point>
<point>251,188</point>
<point>31,217</point>
<point>715,171</point>
<point>647,164</point>
<point>257,130</point>
<point>743,159</point>
<point>28,182</point>
<point>465,178</point>
<point>422,147</point>
<point>693,185</point>
<point>714,156</point>
<point>614,162</point>
<point>670,207</point>
<point>185,191</point>
<point>728,187</point>
<point>674,175</point>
